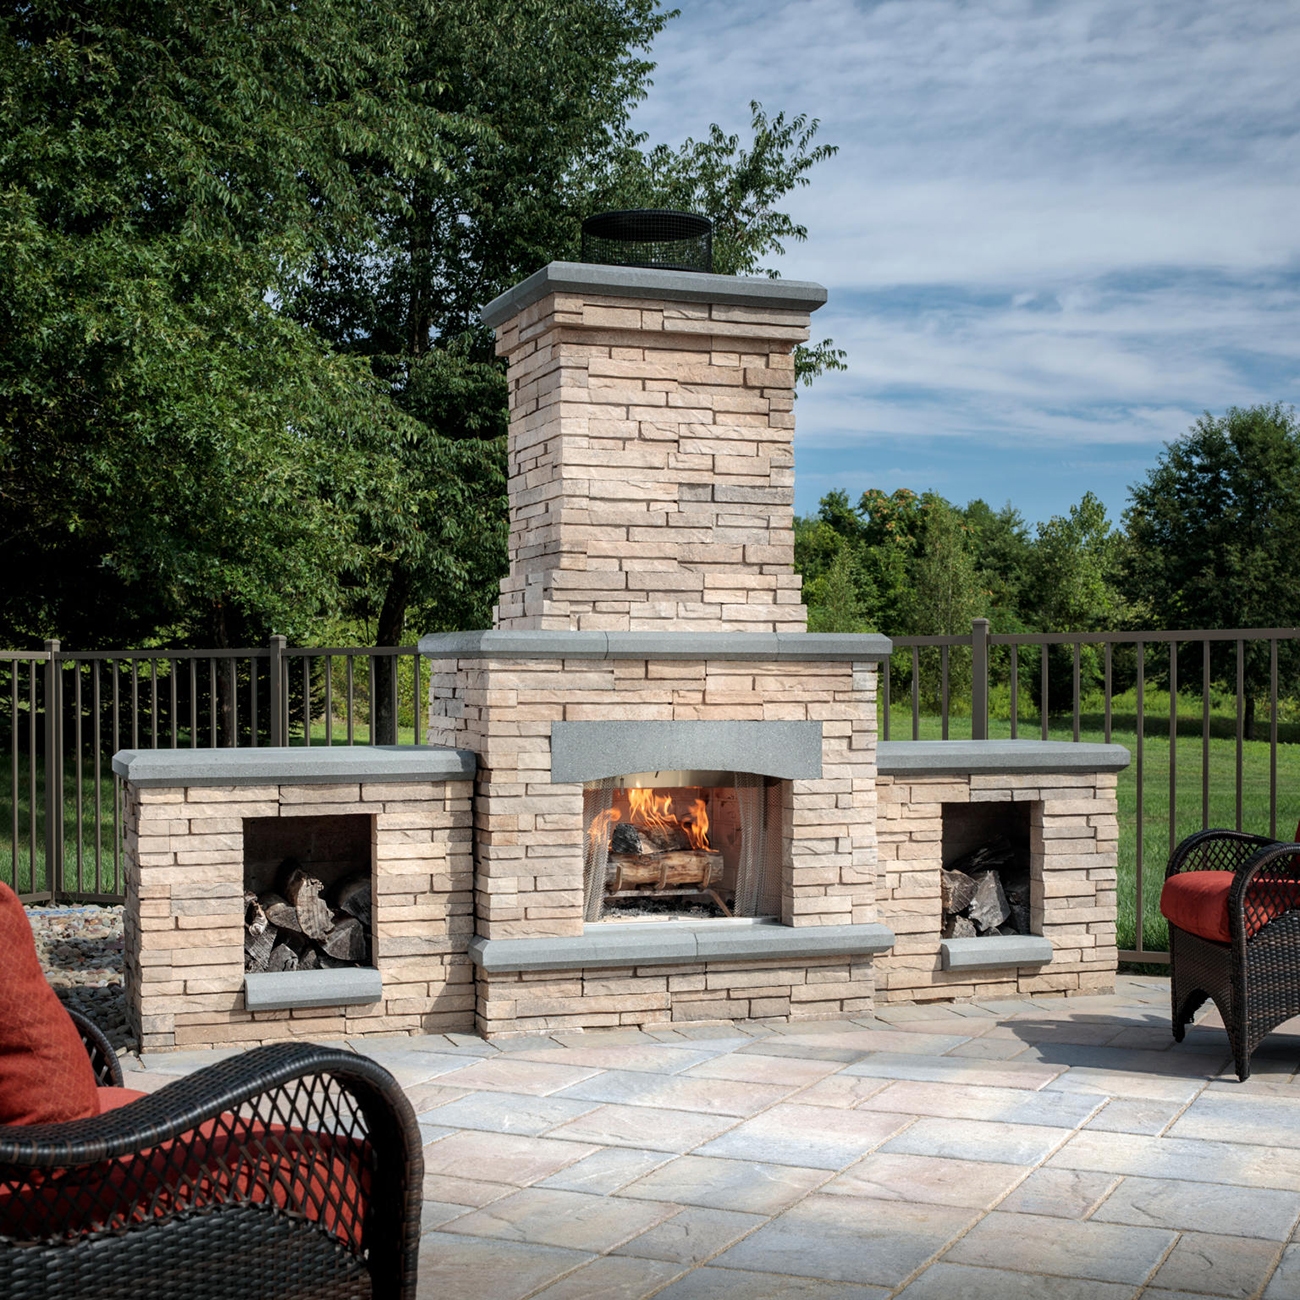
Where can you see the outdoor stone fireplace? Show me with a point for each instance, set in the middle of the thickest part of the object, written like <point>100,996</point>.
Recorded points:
<point>651,797</point>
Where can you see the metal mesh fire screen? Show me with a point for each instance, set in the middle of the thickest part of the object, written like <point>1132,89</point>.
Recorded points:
<point>671,842</point>
<point>668,241</point>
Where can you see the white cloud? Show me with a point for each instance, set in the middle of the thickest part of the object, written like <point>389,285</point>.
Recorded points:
<point>1049,222</point>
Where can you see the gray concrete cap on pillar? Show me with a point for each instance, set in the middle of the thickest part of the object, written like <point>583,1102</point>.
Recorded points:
<point>673,942</point>
<point>647,282</point>
<point>294,765</point>
<point>589,751</point>
<point>767,647</point>
<point>347,986</point>
<point>937,757</point>
<point>995,950</point>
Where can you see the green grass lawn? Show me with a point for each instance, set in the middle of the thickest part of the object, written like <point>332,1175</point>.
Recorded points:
<point>1156,830</point>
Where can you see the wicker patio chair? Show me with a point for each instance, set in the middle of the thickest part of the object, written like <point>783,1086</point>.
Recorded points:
<point>290,1171</point>
<point>1251,970</point>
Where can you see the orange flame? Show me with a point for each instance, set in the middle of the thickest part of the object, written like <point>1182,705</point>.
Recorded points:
<point>602,824</point>
<point>649,811</point>
<point>697,829</point>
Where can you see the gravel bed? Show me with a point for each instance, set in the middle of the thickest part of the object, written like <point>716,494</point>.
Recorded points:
<point>81,953</point>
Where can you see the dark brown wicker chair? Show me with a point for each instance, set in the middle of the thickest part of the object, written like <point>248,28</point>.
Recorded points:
<point>290,1171</point>
<point>1254,979</point>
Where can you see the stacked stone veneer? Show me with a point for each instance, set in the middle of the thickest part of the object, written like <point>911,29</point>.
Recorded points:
<point>529,834</point>
<point>1074,837</point>
<point>651,453</point>
<point>185,905</point>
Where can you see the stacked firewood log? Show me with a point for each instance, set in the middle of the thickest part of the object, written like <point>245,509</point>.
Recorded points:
<point>300,926</point>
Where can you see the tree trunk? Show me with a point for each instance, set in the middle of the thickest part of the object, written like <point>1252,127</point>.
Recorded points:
<point>392,625</point>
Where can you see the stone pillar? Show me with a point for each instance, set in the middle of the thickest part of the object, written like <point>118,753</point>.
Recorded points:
<point>651,456</point>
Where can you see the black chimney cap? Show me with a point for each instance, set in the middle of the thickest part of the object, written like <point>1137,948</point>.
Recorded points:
<point>653,237</point>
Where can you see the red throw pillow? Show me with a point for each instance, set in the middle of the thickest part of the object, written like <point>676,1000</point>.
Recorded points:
<point>113,1098</point>
<point>45,1074</point>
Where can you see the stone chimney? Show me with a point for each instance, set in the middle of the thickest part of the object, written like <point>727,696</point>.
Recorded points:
<point>651,450</point>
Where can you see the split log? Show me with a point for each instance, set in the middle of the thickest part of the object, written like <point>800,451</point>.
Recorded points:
<point>627,839</point>
<point>255,921</point>
<point>282,958</point>
<point>354,898</point>
<point>310,960</point>
<point>989,908</point>
<point>664,839</point>
<point>663,870</point>
<point>347,940</point>
<point>956,889</point>
<point>280,913</point>
<point>959,927</point>
<point>257,948</point>
<point>304,894</point>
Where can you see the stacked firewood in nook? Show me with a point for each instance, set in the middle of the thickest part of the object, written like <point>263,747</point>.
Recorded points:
<point>301,926</point>
<point>980,895</point>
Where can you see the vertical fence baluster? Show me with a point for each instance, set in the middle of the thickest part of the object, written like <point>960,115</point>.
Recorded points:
<point>884,701</point>
<point>252,700</point>
<point>234,704</point>
<point>943,688</point>
<point>1015,692</point>
<point>77,741</point>
<point>1173,745</point>
<point>117,744</point>
<point>916,693</point>
<point>13,769</point>
<point>351,702</point>
<point>329,700</point>
<point>1272,738</point>
<point>212,704</point>
<point>31,776</point>
<point>372,681</point>
<point>176,722</point>
<point>1077,689</point>
<point>135,703</point>
<point>419,702</point>
<point>194,701</point>
<point>1042,692</point>
<point>1205,734</point>
<point>306,699</point>
<point>1107,688</point>
<point>1241,721</point>
<point>1141,794</point>
<point>153,702</point>
<point>97,742</point>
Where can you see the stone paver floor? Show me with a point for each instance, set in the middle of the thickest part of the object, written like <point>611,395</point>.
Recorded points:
<point>1029,1147</point>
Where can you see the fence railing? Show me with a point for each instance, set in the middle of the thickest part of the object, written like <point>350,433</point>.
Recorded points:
<point>1242,771</point>
<point>64,715</point>
<point>1230,697</point>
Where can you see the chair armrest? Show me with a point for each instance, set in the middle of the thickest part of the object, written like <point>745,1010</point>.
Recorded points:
<point>103,1059</point>
<point>1267,886</point>
<point>228,1134</point>
<point>1215,850</point>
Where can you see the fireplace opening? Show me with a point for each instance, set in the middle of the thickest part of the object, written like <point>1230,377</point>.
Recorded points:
<point>984,883</point>
<point>308,892</point>
<point>664,845</point>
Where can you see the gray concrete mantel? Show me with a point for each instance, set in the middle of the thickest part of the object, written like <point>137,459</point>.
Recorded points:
<point>294,765</point>
<point>769,647</point>
<point>612,944</point>
<point>902,758</point>
<point>647,282</point>
<point>345,986</point>
<point>589,751</point>
<point>995,951</point>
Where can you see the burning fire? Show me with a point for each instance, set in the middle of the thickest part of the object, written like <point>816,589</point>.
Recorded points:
<point>650,812</point>
<point>602,824</point>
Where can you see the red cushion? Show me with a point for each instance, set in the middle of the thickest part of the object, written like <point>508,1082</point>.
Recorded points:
<point>1197,901</point>
<point>324,1177</point>
<point>112,1098</point>
<point>45,1073</point>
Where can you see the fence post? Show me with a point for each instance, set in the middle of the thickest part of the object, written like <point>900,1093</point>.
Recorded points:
<point>979,685</point>
<point>278,644</point>
<point>53,774</point>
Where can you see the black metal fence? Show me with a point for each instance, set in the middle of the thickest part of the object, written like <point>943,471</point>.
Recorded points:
<point>1212,719</point>
<point>64,715</point>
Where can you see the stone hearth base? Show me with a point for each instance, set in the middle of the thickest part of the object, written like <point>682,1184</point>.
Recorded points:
<point>530,1002</point>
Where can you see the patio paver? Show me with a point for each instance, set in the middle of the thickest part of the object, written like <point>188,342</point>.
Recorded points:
<point>1059,1149</point>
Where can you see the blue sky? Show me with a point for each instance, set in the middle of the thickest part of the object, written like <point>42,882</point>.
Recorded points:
<point>1053,235</point>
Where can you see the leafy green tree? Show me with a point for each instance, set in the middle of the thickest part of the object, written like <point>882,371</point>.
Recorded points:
<point>1213,535</point>
<point>177,456</point>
